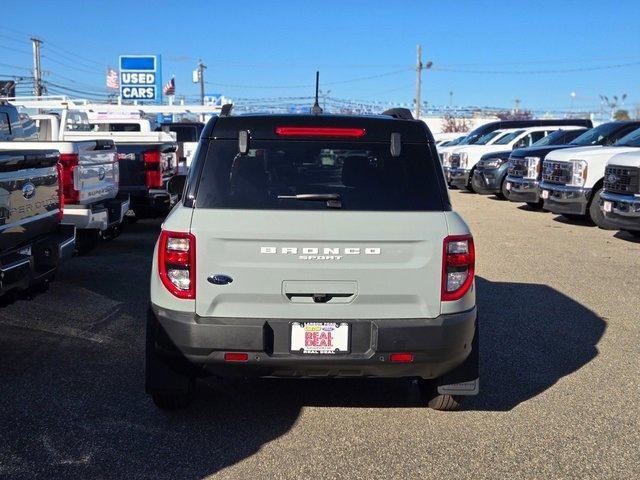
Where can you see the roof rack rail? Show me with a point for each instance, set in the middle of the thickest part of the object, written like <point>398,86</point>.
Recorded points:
<point>399,113</point>
<point>226,110</point>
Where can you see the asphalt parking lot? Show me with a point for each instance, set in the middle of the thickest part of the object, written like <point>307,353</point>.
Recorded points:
<point>560,343</point>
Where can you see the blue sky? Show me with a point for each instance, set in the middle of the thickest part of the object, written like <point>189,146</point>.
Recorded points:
<point>364,49</point>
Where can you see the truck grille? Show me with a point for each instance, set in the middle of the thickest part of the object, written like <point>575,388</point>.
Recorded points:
<point>454,160</point>
<point>517,167</point>
<point>624,180</point>
<point>556,172</point>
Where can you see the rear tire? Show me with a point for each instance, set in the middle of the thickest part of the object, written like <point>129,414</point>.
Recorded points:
<point>172,401</point>
<point>170,386</point>
<point>437,401</point>
<point>596,215</point>
<point>504,193</point>
<point>86,241</point>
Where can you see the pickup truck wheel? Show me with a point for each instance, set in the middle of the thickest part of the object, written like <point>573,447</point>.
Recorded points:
<point>171,401</point>
<point>437,401</point>
<point>86,240</point>
<point>596,215</point>
<point>504,193</point>
<point>469,186</point>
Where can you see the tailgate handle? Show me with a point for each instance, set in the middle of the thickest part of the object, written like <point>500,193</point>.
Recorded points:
<point>319,292</point>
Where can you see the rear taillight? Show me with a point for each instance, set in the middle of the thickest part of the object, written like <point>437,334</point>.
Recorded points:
<point>60,192</point>
<point>177,263</point>
<point>153,169</point>
<point>458,263</point>
<point>320,132</point>
<point>69,162</point>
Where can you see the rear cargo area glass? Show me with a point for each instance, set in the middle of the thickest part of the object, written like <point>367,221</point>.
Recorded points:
<point>364,175</point>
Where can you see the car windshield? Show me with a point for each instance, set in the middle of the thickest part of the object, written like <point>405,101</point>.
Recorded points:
<point>630,140</point>
<point>596,136</point>
<point>508,138</point>
<point>487,137</point>
<point>559,137</point>
<point>312,175</point>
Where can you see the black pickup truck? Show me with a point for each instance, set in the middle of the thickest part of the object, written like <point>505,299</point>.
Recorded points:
<point>145,169</point>
<point>32,239</point>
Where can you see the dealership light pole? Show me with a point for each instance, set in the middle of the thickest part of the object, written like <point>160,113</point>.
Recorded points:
<point>37,71</point>
<point>201,67</point>
<point>419,67</point>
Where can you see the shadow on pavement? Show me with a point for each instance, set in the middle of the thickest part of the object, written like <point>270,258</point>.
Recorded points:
<point>577,220</point>
<point>530,337</point>
<point>72,403</point>
<point>622,235</point>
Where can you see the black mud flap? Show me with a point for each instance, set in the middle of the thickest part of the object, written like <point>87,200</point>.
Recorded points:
<point>465,379</point>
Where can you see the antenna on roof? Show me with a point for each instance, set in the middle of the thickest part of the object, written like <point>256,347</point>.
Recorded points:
<point>316,109</point>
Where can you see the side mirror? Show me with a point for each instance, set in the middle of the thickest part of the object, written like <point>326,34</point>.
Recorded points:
<point>175,185</point>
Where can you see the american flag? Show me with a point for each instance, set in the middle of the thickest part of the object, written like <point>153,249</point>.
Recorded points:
<point>112,79</point>
<point>170,87</point>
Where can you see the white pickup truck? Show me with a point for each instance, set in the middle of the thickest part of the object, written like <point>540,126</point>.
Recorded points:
<point>463,160</point>
<point>621,196</point>
<point>89,173</point>
<point>573,179</point>
<point>147,160</point>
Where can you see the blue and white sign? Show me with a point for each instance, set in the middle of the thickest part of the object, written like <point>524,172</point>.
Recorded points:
<point>140,77</point>
<point>213,99</point>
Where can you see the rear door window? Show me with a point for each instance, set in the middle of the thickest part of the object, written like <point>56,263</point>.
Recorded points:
<point>340,176</point>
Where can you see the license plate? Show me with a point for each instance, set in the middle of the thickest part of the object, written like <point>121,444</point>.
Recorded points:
<point>545,194</point>
<point>607,207</point>
<point>320,338</point>
<point>508,185</point>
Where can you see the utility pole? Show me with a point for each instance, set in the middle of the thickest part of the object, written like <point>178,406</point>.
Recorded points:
<point>37,71</point>
<point>419,68</point>
<point>201,67</point>
<point>418,79</point>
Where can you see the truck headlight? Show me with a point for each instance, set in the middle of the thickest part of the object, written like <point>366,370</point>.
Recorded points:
<point>578,173</point>
<point>493,162</point>
<point>533,167</point>
<point>444,158</point>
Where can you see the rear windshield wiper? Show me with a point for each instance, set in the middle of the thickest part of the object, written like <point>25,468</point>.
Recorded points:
<point>333,199</point>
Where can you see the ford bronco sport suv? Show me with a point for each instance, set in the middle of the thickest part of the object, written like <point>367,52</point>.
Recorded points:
<point>314,246</point>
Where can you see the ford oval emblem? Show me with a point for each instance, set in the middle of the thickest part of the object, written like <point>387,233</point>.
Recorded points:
<point>219,279</point>
<point>28,190</point>
<point>612,178</point>
<point>101,173</point>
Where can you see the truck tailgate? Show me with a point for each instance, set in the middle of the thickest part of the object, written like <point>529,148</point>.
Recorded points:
<point>97,174</point>
<point>28,196</point>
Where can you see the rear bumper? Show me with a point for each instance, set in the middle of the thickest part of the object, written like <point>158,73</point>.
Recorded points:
<point>523,189</point>
<point>487,180</point>
<point>565,199</point>
<point>459,177</point>
<point>36,262</point>
<point>151,203</point>
<point>99,216</point>
<point>438,345</point>
<point>625,210</point>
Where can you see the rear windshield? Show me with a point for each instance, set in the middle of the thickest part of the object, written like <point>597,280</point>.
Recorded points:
<point>312,175</point>
<point>559,137</point>
<point>605,133</point>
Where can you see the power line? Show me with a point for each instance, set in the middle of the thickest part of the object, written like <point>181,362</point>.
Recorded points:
<point>15,66</point>
<point>11,49</point>
<point>73,67</point>
<point>537,72</point>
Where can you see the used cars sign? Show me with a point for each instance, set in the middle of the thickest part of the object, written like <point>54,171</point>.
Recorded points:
<point>140,77</point>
